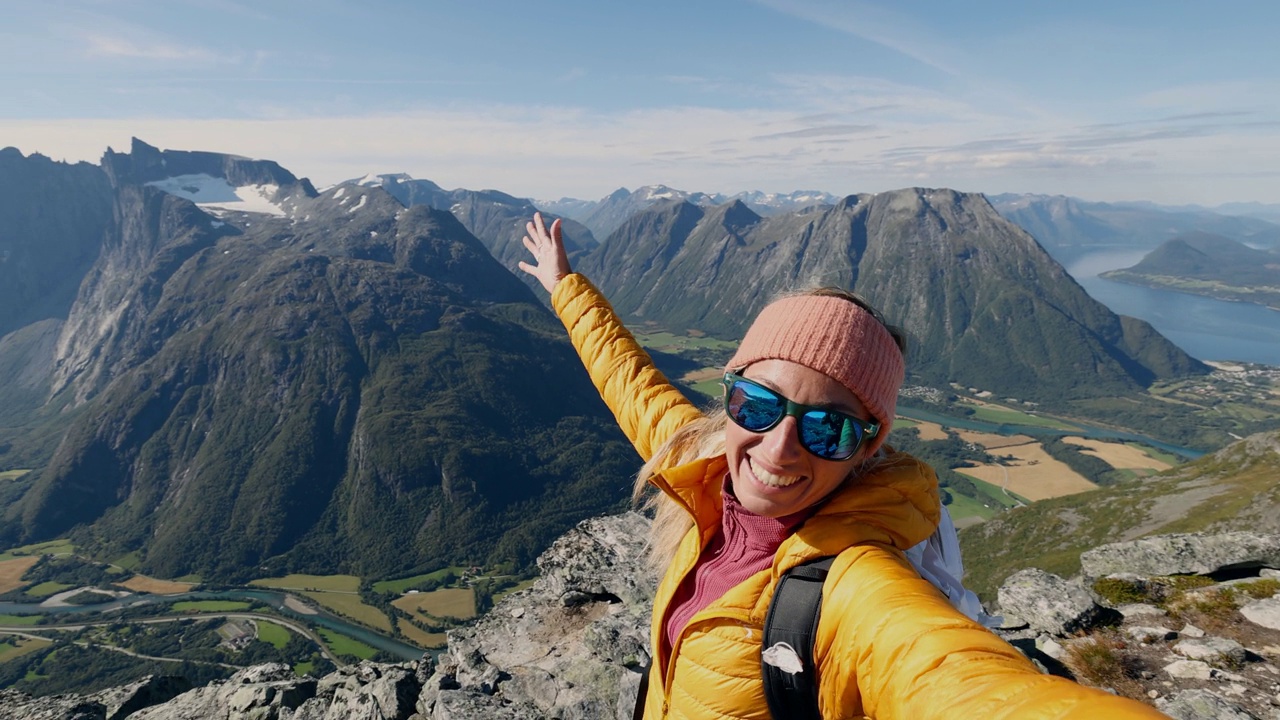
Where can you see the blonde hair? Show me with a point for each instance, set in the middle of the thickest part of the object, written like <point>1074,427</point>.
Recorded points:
<point>704,438</point>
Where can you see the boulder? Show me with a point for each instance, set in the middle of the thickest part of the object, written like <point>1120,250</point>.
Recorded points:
<point>1182,554</point>
<point>1210,649</point>
<point>1047,602</point>
<point>1200,705</point>
<point>1263,612</point>
<point>1147,634</point>
<point>260,692</point>
<point>572,646</point>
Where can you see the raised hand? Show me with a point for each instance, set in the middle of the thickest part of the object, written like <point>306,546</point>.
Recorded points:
<point>550,263</point>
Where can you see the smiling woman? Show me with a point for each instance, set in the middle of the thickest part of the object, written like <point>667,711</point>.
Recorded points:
<point>793,469</point>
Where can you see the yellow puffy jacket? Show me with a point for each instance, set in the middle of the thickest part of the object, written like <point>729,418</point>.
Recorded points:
<point>889,645</point>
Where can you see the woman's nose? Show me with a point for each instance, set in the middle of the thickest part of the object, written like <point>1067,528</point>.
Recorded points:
<point>782,442</point>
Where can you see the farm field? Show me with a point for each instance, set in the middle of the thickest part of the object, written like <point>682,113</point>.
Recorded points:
<point>50,547</point>
<point>1001,415</point>
<point>927,430</point>
<point>350,605</point>
<point>12,474</point>
<point>400,586</point>
<point>342,645</point>
<point>19,619</point>
<point>1033,473</point>
<point>22,646</point>
<point>11,572</point>
<point>457,603</point>
<point>45,589</point>
<point>322,583</point>
<point>269,632</point>
<point>420,637</point>
<point>1121,456</point>
<point>144,584</point>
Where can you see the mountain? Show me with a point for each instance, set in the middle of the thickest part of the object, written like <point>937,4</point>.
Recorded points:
<point>331,381</point>
<point>985,305</point>
<point>1232,489</point>
<point>607,214</point>
<point>1211,265</point>
<point>496,218</point>
<point>1063,224</point>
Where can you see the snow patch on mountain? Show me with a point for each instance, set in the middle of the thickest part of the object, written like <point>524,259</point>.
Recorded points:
<point>216,194</point>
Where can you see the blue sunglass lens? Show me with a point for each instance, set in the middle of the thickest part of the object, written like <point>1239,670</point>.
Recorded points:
<point>753,407</point>
<point>829,435</point>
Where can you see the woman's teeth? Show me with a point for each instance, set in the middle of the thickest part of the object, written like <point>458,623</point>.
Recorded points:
<point>767,478</point>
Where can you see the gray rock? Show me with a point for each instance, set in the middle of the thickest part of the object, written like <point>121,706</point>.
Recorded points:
<point>1210,649</point>
<point>1200,705</point>
<point>1146,634</point>
<point>1189,670</point>
<point>121,702</point>
<point>21,706</point>
<point>1133,610</point>
<point>1191,631</point>
<point>1263,612</point>
<point>1181,554</point>
<point>257,693</point>
<point>571,646</point>
<point>1047,602</point>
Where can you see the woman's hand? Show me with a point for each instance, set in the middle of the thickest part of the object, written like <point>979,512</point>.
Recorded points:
<point>550,261</point>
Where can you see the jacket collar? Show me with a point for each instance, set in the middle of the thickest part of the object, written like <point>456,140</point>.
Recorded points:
<point>894,504</point>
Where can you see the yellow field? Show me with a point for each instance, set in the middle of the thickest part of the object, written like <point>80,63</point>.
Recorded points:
<point>144,584</point>
<point>420,637</point>
<point>24,646</point>
<point>11,572</point>
<point>350,605</point>
<point>1033,474</point>
<point>446,602</point>
<point>930,431</point>
<point>322,583</point>
<point>992,441</point>
<point>1118,455</point>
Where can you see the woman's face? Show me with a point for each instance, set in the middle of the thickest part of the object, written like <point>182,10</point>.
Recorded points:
<point>772,473</point>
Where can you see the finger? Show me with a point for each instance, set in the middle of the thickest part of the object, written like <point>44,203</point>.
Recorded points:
<point>556,234</point>
<point>537,221</point>
<point>525,267</point>
<point>530,246</point>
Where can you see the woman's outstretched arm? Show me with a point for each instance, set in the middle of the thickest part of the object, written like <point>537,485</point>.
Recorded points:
<point>647,407</point>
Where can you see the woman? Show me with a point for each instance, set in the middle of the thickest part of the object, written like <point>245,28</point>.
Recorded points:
<point>791,472</point>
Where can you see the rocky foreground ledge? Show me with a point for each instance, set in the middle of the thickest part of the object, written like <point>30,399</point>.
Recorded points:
<point>572,645</point>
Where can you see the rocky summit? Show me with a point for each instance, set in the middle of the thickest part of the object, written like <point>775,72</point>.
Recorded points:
<point>1196,645</point>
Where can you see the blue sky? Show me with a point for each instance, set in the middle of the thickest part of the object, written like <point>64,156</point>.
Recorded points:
<point>1172,101</point>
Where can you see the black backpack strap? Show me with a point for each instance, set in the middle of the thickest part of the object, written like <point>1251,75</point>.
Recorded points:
<point>789,631</point>
<point>638,712</point>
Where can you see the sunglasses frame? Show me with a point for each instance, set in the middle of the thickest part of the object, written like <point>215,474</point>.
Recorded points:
<point>797,411</point>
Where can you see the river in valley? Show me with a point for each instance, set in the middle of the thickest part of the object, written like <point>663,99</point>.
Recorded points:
<point>274,599</point>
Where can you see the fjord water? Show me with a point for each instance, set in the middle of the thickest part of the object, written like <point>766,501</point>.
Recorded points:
<point>1208,329</point>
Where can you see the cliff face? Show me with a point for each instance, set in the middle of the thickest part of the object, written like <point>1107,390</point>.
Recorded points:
<point>573,645</point>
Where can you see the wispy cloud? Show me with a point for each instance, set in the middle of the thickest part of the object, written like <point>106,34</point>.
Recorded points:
<point>108,46</point>
<point>820,131</point>
<point>870,23</point>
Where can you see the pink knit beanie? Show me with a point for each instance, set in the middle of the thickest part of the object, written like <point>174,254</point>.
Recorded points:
<point>837,338</point>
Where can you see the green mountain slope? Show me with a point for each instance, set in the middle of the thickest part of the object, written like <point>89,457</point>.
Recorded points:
<point>350,386</point>
<point>985,305</point>
<point>1236,488</point>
